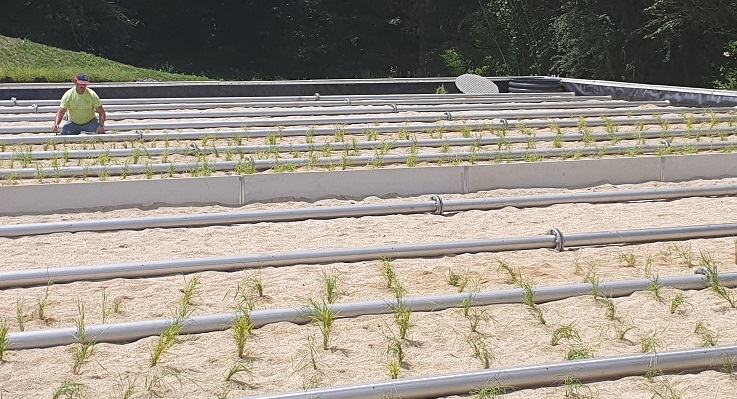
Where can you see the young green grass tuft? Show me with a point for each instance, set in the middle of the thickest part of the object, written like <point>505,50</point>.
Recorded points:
<point>168,337</point>
<point>491,391</point>
<point>650,344</point>
<point>458,280</point>
<point>402,314</point>
<point>241,366</point>
<point>708,337</point>
<point>480,348</point>
<point>4,340</point>
<point>323,315</point>
<point>577,353</point>
<point>567,332</point>
<point>330,279</point>
<point>241,330</point>
<point>85,344</point>
<point>70,390</point>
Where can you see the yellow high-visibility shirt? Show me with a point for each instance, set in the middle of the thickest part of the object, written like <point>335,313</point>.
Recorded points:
<point>81,107</point>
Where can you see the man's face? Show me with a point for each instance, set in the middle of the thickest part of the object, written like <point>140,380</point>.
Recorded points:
<point>80,87</point>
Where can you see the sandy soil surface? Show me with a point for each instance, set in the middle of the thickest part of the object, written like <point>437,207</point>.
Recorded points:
<point>283,356</point>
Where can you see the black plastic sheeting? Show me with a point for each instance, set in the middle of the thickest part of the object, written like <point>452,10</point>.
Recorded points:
<point>678,96</point>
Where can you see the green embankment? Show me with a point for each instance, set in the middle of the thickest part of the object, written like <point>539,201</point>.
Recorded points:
<point>22,60</point>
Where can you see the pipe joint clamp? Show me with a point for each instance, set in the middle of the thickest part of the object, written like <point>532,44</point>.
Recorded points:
<point>317,96</point>
<point>504,122</point>
<point>14,101</point>
<point>665,143</point>
<point>35,108</point>
<point>438,204</point>
<point>448,116</point>
<point>559,244</point>
<point>348,101</point>
<point>395,109</point>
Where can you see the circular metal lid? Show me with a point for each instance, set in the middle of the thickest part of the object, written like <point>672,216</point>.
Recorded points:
<point>469,83</point>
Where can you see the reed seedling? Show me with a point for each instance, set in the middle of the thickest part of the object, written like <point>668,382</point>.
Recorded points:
<point>43,303</point>
<point>650,344</point>
<point>654,288</point>
<point>189,291</point>
<point>665,391</point>
<point>575,389</point>
<point>402,314</point>
<point>458,280</point>
<point>611,311</point>
<point>20,313</point>
<point>330,279</point>
<point>4,340</point>
<point>678,304</point>
<point>241,330</point>
<point>70,390</point>
<point>312,350</point>
<point>85,344</point>
<point>628,259</point>
<point>395,355</point>
<point>622,330</point>
<point>579,353</point>
<point>241,366</point>
<point>480,348</point>
<point>166,340</point>
<point>529,299</point>
<point>514,275</point>
<point>708,337</point>
<point>323,315</point>
<point>567,332</point>
<point>491,391</point>
<point>728,367</point>
<point>712,274</point>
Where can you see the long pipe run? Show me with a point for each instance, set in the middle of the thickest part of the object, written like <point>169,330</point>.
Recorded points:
<point>525,377</point>
<point>452,125</point>
<point>555,239</point>
<point>436,205</point>
<point>135,330</point>
<point>352,110</point>
<point>343,145</point>
<point>295,104</point>
<point>249,163</point>
<point>314,99</point>
<point>342,120</point>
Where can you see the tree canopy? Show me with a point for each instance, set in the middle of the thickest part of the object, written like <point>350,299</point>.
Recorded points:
<point>680,42</point>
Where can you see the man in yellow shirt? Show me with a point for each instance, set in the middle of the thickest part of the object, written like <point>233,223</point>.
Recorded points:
<point>81,103</point>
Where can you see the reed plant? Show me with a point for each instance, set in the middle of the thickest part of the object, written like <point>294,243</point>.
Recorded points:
<point>4,340</point>
<point>402,314</point>
<point>491,391</point>
<point>708,337</point>
<point>567,332</point>
<point>458,280</point>
<point>168,337</point>
<point>85,347</point>
<point>70,390</point>
<point>481,349</point>
<point>241,366</point>
<point>323,315</point>
<point>241,329</point>
<point>330,279</point>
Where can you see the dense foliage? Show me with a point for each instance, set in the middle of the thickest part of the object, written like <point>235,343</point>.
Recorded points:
<point>681,42</point>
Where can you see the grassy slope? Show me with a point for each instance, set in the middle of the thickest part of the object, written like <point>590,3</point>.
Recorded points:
<point>24,61</point>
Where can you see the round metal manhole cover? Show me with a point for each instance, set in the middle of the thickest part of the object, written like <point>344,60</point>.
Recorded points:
<point>469,83</point>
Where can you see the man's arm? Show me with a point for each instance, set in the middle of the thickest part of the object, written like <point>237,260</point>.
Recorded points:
<point>59,116</point>
<point>102,118</point>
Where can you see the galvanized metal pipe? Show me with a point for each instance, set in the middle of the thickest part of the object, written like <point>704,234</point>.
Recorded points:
<point>525,377</point>
<point>436,205</point>
<point>292,104</point>
<point>135,330</point>
<point>316,98</point>
<point>351,110</point>
<point>40,172</point>
<point>423,117</point>
<point>342,145</point>
<point>555,239</point>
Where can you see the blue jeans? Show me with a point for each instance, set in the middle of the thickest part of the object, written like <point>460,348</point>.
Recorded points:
<point>71,128</point>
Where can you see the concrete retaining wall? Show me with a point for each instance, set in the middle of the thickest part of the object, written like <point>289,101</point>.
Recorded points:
<point>358,184</point>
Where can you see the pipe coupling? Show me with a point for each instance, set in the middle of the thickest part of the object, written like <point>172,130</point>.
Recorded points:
<point>395,109</point>
<point>559,244</point>
<point>140,134</point>
<point>448,116</point>
<point>504,123</point>
<point>438,204</point>
<point>665,143</point>
<point>35,108</point>
<point>347,101</point>
<point>317,96</point>
<point>14,101</point>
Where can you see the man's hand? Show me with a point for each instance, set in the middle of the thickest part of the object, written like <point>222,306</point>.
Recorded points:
<point>55,128</point>
<point>100,129</point>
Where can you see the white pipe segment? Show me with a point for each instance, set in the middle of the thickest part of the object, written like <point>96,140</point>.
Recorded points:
<point>287,104</point>
<point>342,145</point>
<point>524,377</point>
<point>350,110</point>
<point>555,239</point>
<point>309,99</point>
<point>345,161</point>
<point>435,205</point>
<point>135,330</point>
<point>422,117</point>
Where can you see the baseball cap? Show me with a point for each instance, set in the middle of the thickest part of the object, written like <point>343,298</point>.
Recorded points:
<point>82,79</point>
